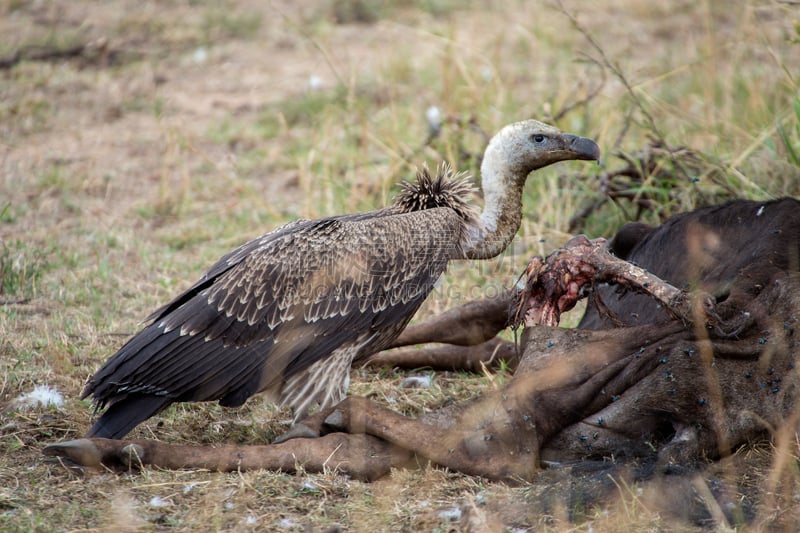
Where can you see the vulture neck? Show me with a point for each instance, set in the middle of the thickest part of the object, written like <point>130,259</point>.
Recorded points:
<point>494,230</point>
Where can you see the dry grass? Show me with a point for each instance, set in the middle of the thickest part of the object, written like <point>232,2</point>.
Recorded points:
<point>191,126</point>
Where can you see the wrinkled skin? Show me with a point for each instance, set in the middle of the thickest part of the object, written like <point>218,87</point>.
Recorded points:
<point>686,384</point>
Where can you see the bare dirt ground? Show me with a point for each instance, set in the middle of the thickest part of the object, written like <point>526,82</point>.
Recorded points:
<point>176,130</point>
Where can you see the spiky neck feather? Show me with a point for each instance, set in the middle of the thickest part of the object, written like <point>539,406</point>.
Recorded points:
<point>446,189</point>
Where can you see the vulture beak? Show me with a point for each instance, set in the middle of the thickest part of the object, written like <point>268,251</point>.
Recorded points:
<point>568,147</point>
<point>583,149</point>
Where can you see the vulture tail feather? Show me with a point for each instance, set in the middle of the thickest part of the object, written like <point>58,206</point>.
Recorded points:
<point>124,415</point>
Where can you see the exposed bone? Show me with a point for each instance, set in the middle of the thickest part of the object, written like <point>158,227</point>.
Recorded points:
<point>557,283</point>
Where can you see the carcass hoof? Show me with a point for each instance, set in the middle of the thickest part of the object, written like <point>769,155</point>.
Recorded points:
<point>337,420</point>
<point>82,452</point>
<point>131,455</point>
<point>98,453</point>
<point>297,431</point>
<point>681,453</point>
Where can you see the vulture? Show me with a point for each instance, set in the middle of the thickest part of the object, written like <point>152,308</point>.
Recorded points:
<point>289,312</point>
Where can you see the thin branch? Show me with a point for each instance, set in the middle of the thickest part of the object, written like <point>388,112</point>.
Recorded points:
<point>19,301</point>
<point>613,67</point>
<point>93,49</point>
<point>620,75</point>
<point>588,98</point>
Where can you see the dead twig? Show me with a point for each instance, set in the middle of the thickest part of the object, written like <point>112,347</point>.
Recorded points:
<point>19,301</point>
<point>96,50</point>
<point>586,100</point>
<point>652,165</point>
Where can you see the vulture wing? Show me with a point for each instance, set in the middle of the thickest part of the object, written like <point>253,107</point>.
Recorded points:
<point>275,306</point>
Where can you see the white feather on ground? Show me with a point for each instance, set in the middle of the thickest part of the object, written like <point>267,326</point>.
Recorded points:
<point>41,395</point>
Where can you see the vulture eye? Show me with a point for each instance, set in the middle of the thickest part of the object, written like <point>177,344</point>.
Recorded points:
<point>538,138</point>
